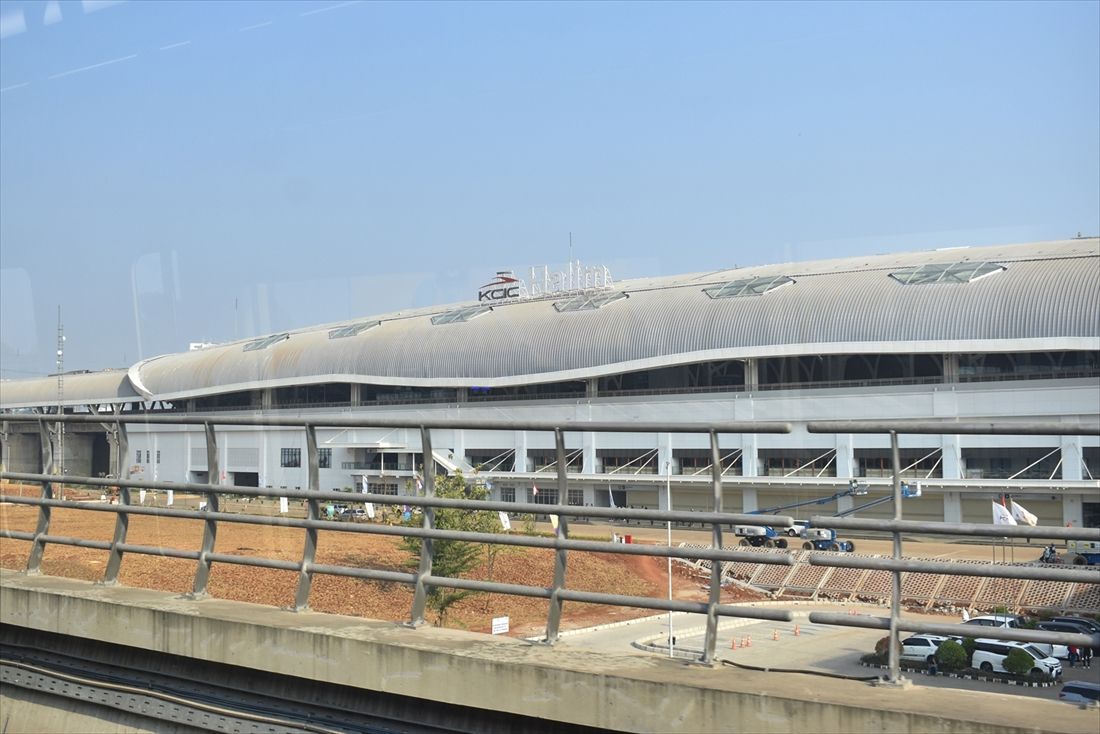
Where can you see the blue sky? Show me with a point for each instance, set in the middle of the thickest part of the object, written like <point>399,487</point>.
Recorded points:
<point>177,172</point>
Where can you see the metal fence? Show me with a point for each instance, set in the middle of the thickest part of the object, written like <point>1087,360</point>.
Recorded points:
<point>423,579</point>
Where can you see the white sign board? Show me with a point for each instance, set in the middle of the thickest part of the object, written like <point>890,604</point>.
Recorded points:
<point>500,625</point>
<point>370,510</point>
<point>505,521</point>
<point>284,505</point>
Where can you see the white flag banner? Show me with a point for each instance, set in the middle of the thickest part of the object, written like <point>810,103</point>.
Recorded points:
<point>611,497</point>
<point>141,496</point>
<point>370,510</point>
<point>505,521</point>
<point>202,504</point>
<point>365,489</point>
<point>554,521</point>
<point>1021,515</point>
<point>1001,515</point>
<point>534,490</point>
<point>284,505</point>
<point>171,498</point>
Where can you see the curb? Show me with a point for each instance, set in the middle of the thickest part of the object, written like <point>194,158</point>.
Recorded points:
<point>970,676</point>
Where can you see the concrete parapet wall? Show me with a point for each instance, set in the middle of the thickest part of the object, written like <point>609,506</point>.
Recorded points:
<point>621,692</point>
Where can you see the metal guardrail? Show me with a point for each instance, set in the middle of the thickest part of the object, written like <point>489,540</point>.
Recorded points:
<point>423,580</point>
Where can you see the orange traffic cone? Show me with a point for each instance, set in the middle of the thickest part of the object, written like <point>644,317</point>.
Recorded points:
<point>775,634</point>
<point>797,632</point>
<point>733,644</point>
<point>749,643</point>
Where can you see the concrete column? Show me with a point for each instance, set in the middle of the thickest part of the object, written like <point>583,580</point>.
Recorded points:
<point>843,504</point>
<point>750,460</point>
<point>1071,458</point>
<point>662,495</point>
<point>267,398</point>
<point>588,453</point>
<point>749,499</point>
<point>458,441</point>
<point>1072,511</point>
<point>752,380</point>
<point>950,368</point>
<point>521,452</point>
<point>952,457</point>
<point>664,454</point>
<point>952,507</point>
<point>355,393</point>
<point>592,388</point>
<point>845,456</point>
<point>462,395</point>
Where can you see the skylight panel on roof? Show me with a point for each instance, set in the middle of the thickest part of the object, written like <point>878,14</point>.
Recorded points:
<point>352,329</point>
<point>748,286</point>
<point>258,344</point>
<point>460,315</point>
<point>963,272</point>
<point>588,301</point>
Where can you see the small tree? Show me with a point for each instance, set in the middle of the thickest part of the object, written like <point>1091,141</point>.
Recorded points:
<point>882,649</point>
<point>1018,662</point>
<point>951,656</point>
<point>453,558</point>
<point>968,646</point>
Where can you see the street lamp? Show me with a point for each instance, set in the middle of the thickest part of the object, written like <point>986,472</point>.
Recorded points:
<point>668,508</point>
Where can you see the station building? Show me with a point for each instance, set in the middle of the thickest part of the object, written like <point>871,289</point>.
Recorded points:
<point>1004,333</point>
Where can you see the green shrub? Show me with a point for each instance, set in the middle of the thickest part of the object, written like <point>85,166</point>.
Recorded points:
<point>968,647</point>
<point>1018,662</point>
<point>952,656</point>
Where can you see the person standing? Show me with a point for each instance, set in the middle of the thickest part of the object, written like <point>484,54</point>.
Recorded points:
<point>1073,656</point>
<point>1086,657</point>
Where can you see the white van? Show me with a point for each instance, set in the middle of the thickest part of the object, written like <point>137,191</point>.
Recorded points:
<point>989,656</point>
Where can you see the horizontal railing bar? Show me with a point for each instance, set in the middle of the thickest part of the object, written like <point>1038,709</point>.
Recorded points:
<point>594,546</point>
<point>1071,575</point>
<point>477,425</point>
<point>519,508</point>
<point>956,528</point>
<point>155,550</point>
<point>78,542</point>
<point>957,630</point>
<point>273,563</point>
<point>17,535</point>
<point>364,573</point>
<point>1085,428</point>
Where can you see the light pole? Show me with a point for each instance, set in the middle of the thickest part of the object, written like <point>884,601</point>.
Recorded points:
<point>668,508</point>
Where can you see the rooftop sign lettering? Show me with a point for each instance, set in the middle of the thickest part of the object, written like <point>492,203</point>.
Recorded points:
<point>543,282</point>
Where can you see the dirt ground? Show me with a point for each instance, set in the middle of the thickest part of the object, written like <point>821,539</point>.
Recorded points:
<point>603,572</point>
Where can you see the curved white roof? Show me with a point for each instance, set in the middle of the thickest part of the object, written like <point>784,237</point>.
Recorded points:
<point>1047,297</point>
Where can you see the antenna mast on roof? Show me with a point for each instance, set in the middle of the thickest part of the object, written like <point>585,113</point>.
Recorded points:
<point>570,261</point>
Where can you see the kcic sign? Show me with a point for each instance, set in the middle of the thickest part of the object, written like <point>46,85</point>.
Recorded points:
<point>545,282</point>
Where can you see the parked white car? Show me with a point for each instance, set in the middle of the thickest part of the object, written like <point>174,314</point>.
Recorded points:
<point>921,647</point>
<point>989,655</point>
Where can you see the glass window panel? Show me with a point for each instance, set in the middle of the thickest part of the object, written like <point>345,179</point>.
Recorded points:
<point>267,341</point>
<point>588,301</point>
<point>961,272</point>
<point>352,329</point>
<point>460,315</point>
<point>748,286</point>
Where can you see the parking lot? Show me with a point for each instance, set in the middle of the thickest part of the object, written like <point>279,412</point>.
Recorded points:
<point>776,646</point>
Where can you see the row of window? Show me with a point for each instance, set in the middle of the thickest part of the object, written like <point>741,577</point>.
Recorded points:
<point>138,460</point>
<point>774,373</point>
<point>293,458</point>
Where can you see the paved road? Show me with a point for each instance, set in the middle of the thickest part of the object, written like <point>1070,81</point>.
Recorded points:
<point>821,648</point>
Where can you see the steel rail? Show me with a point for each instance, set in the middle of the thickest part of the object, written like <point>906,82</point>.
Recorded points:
<point>416,423</point>
<point>1070,575</point>
<point>1083,428</point>
<point>950,528</point>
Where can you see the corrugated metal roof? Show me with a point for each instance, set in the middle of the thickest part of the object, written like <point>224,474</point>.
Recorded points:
<point>1047,298</point>
<point>79,389</point>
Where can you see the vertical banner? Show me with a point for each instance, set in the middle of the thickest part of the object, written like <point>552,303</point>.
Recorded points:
<point>171,497</point>
<point>141,496</point>
<point>370,509</point>
<point>554,521</point>
<point>284,505</point>
<point>505,522</point>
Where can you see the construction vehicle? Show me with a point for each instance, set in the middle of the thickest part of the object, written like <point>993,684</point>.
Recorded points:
<point>823,538</point>
<point>759,536</point>
<point>1078,553</point>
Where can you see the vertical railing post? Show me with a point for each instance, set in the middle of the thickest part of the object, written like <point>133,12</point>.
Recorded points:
<point>49,466</point>
<point>210,525</point>
<point>309,552</point>
<point>711,641</point>
<point>420,596</point>
<point>553,618</point>
<point>120,448</point>
<point>895,587</point>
